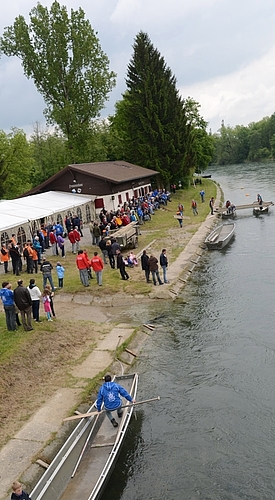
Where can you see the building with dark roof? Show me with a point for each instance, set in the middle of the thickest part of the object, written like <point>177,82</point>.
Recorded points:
<point>109,183</point>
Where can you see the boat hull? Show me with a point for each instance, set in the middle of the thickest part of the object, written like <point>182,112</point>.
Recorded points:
<point>67,477</point>
<point>260,211</point>
<point>220,237</point>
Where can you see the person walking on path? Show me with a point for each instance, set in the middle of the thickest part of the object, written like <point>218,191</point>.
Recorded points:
<point>35,294</point>
<point>60,270</point>
<point>145,265</point>
<point>194,207</point>
<point>97,265</point>
<point>211,205</point>
<point>46,269</point>
<point>83,265</point>
<point>164,264</point>
<point>109,394</point>
<point>7,297</point>
<point>153,266</point>
<point>23,301</point>
<point>121,266</point>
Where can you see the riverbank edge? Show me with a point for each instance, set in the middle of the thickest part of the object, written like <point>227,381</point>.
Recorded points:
<point>43,435</point>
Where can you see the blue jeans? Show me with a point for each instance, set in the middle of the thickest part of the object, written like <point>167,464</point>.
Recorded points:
<point>109,412</point>
<point>164,269</point>
<point>45,278</point>
<point>155,274</point>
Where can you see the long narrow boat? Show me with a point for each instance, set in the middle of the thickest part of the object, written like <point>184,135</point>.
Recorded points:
<point>82,467</point>
<point>220,237</point>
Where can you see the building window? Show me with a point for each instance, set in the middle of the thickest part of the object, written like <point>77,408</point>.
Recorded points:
<point>21,236</point>
<point>135,193</point>
<point>79,213</point>
<point>5,239</point>
<point>59,219</point>
<point>88,214</point>
<point>99,203</point>
<point>127,196</point>
<point>119,199</point>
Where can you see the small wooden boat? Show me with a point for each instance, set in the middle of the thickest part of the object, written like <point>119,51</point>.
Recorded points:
<point>220,237</point>
<point>84,463</point>
<point>260,210</point>
<point>229,215</point>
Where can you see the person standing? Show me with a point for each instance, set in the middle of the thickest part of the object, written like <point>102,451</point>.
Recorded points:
<point>109,394</point>
<point>18,493</point>
<point>164,264</point>
<point>102,246</point>
<point>23,301</point>
<point>46,269</point>
<point>97,265</point>
<point>15,258</point>
<point>202,193</point>
<point>83,265</point>
<point>51,295</point>
<point>121,266</point>
<point>72,239</point>
<point>5,257</point>
<point>211,205</point>
<point>145,265</point>
<point>53,242</point>
<point>35,294</point>
<point>194,207</point>
<point>153,266</point>
<point>60,270</point>
<point>7,298</point>
<point>96,234</point>
<point>260,201</point>
<point>47,303</point>
<point>110,254</point>
<point>61,244</point>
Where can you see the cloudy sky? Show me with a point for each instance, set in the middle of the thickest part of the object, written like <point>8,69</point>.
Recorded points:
<point>222,53</point>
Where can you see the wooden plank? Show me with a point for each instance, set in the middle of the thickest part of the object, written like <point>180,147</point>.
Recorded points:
<point>42,463</point>
<point>131,352</point>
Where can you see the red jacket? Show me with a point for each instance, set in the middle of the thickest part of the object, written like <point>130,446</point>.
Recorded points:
<point>77,235</point>
<point>97,263</point>
<point>71,237</point>
<point>82,262</point>
<point>52,238</point>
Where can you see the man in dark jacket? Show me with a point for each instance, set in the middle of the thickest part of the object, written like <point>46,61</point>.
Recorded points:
<point>46,269</point>
<point>102,246</point>
<point>121,265</point>
<point>23,301</point>
<point>154,268</point>
<point>145,265</point>
<point>164,264</point>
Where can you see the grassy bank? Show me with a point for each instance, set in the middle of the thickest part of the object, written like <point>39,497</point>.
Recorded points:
<point>163,226</point>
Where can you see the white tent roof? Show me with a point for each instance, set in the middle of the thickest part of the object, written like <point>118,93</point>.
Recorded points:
<point>22,210</point>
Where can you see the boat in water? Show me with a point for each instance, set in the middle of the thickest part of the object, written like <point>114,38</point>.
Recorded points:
<point>220,236</point>
<point>83,465</point>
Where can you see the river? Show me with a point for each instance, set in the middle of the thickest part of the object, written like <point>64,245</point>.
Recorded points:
<point>211,359</point>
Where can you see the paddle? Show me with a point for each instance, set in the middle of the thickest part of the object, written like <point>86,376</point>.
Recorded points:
<point>84,415</point>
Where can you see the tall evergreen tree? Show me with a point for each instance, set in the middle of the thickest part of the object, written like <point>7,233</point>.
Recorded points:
<point>151,118</point>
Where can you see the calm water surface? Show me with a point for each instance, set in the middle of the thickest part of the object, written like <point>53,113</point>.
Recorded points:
<point>212,361</point>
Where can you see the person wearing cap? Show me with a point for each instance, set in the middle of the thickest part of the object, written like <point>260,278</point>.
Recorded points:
<point>23,301</point>
<point>109,394</point>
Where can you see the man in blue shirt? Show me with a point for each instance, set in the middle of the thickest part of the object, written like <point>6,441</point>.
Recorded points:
<point>109,394</point>
<point>7,298</point>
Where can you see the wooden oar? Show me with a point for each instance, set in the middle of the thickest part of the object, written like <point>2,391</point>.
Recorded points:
<point>84,415</point>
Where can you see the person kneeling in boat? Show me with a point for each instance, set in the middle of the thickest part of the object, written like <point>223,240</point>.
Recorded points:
<point>109,394</point>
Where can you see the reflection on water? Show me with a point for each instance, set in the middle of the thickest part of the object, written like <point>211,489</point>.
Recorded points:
<point>211,358</point>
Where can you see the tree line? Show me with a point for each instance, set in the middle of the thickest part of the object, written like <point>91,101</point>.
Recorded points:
<point>153,126</point>
<point>240,144</point>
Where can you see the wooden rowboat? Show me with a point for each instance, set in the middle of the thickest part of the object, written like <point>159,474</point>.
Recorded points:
<point>260,211</point>
<point>83,465</point>
<point>220,237</point>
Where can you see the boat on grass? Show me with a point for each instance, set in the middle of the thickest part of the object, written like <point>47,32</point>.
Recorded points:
<point>84,463</point>
<point>220,236</point>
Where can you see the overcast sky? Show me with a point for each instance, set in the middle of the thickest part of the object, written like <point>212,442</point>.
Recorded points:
<point>222,53</point>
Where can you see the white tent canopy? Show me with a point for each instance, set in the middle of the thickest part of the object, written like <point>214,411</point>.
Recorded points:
<point>14,213</point>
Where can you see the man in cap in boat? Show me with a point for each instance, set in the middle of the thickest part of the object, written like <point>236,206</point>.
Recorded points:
<point>109,394</point>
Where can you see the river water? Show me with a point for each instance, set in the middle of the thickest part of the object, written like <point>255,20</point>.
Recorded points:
<point>211,359</point>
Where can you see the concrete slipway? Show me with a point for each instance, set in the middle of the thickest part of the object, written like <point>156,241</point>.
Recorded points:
<point>31,442</point>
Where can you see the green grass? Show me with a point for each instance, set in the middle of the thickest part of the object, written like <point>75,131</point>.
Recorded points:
<point>156,229</point>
